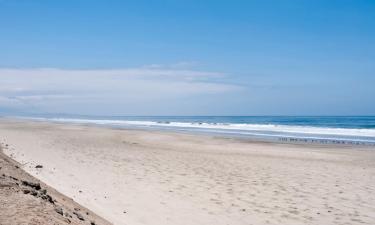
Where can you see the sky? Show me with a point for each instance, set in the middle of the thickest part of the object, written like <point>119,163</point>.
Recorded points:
<point>187,57</point>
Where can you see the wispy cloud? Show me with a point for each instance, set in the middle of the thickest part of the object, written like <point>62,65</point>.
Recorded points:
<point>178,65</point>
<point>48,88</point>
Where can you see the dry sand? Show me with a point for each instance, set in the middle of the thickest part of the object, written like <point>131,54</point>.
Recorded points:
<point>160,178</point>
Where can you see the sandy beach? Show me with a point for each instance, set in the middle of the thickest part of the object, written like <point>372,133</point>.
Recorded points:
<point>137,177</point>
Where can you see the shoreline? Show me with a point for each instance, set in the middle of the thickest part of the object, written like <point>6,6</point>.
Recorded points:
<point>278,139</point>
<point>152,177</point>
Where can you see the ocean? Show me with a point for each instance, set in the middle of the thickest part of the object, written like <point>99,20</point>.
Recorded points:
<point>343,130</point>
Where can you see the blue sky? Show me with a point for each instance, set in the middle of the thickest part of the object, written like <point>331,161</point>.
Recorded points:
<point>188,57</point>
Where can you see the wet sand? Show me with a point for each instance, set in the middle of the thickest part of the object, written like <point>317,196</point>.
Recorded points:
<point>151,177</point>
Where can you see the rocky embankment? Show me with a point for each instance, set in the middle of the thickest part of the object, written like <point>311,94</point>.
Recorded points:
<point>26,200</point>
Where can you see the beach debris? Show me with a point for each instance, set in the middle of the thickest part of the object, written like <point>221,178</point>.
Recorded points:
<point>59,210</point>
<point>79,216</point>
<point>38,166</point>
<point>92,223</point>
<point>26,192</point>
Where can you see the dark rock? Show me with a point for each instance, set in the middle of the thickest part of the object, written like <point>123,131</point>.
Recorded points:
<point>92,223</point>
<point>13,178</point>
<point>26,191</point>
<point>38,166</point>
<point>59,210</point>
<point>36,186</point>
<point>79,216</point>
<point>48,198</point>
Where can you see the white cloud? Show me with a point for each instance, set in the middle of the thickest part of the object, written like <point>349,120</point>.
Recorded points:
<point>61,89</point>
<point>41,97</point>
